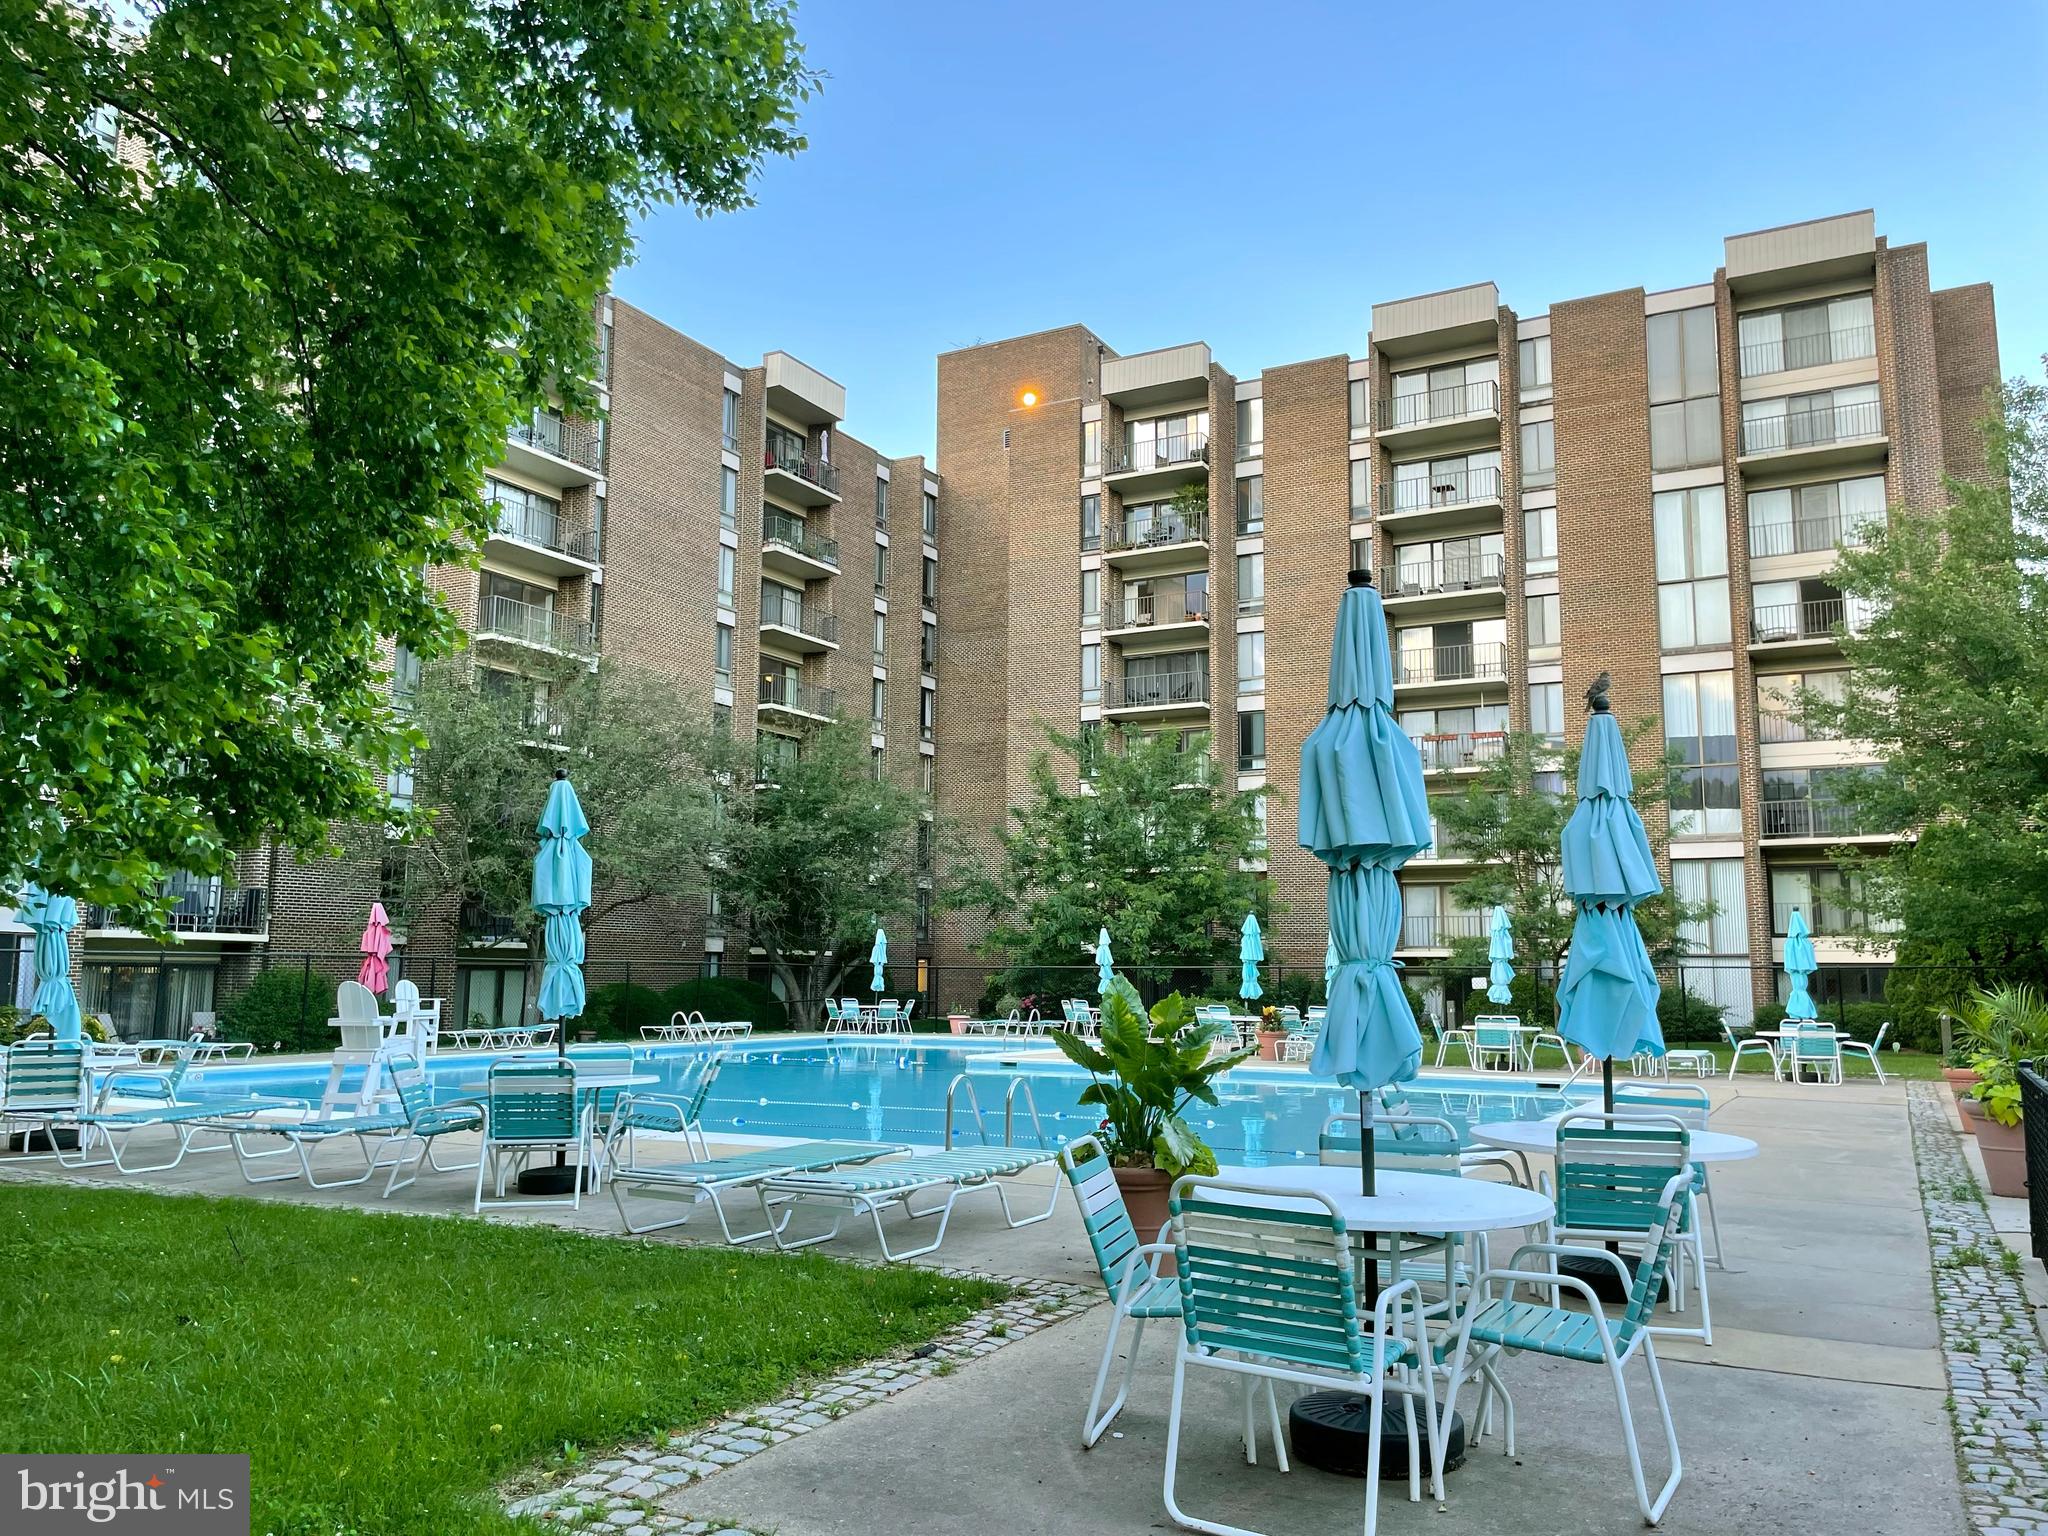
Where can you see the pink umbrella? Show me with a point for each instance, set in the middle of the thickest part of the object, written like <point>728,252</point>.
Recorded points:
<point>376,973</point>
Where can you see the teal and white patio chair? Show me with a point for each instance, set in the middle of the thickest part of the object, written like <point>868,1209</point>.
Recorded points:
<point>888,1016</point>
<point>1815,1049</point>
<point>45,1089</point>
<point>1412,1143</point>
<point>674,1112</point>
<point>1611,1170</point>
<point>1316,1014</point>
<point>1130,1273</point>
<point>1496,1039</point>
<point>1548,1040</point>
<point>712,1178</point>
<point>1868,1050</point>
<point>1290,1019</point>
<point>532,1107</point>
<point>1448,1036</point>
<point>1496,1324</point>
<point>1690,1107</point>
<point>132,1102</point>
<point>1269,1294</point>
<point>425,1121</point>
<point>1742,1042</point>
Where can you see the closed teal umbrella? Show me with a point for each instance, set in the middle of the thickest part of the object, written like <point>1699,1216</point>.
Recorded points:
<point>1105,963</point>
<point>879,955</point>
<point>1251,949</point>
<point>561,894</point>
<point>52,918</point>
<point>1500,949</point>
<point>1329,964</point>
<point>1799,964</point>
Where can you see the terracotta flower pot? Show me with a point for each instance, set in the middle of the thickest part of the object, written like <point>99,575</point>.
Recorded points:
<point>1145,1192</point>
<point>1269,1043</point>
<point>1960,1080</point>
<point>1972,1113</point>
<point>957,1022</point>
<point>2005,1154</point>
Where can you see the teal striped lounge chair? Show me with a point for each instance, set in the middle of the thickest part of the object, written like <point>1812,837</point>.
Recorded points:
<point>712,1178</point>
<point>131,1101</point>
<point>1268,1294</point>
<point>869,1191</point>
<point>1130,1273</point>
<point>1498,1324</point>
<point>532,1107</point>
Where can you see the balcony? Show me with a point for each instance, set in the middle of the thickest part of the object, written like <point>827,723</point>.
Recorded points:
<point>788,695</point>
<point>1814,437</point>
<point>1807,535</point>
<point>1817,820</point>
<point>200,909</point>
<point>1460,751</point>
<point>481,928</point>
<point>1157,467</point>
<point>1447,497</point>
<point>1440,414</point>
<point>798,476</point>
<point>539,539</point>
<point>1452,665</point>
<point>789,548</point>
<point>1159,616</point>
<point>1806,625</point>
<point>1156,541</point>
<point>1433,930</point>
<point>508,619</point>
<point>794,628</point>
<point>1158,693</point>
<point>1815,350</point>
<point>560,453</point>
<point>1429,582</point>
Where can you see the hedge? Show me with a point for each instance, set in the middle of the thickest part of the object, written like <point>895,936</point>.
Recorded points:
<point>1915,1028</point>
<point>727,997</point>
<point>284,1009</point>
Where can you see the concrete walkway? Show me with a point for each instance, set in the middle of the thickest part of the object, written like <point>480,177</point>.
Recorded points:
<point>1820,1407</point>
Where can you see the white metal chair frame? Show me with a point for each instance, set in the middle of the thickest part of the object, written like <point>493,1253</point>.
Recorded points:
<point>1868,1050</point>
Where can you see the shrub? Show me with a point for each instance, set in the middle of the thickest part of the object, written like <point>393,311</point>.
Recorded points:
<point>19,1023</point>
<point>727,997</point>
<point>1688,1018</point>
<point>285,1009</point>
<point>617,1009</point>
<point>1302,989</point>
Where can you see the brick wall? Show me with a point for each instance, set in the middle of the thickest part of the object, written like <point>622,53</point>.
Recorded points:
<point>1966,367</point>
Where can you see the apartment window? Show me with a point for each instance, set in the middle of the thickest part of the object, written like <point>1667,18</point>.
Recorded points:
<point>1699,725</point>
<point>1779,699</point>
<point>1832,899</point>
<point>1451,652</point>
<point>1256,844</point>
<point>1251,741</point>
<point>729,426</point>
<point>876,767</point>
<point>878,710</point>
<point>1692,567</point>
<point>1448,565</point>
<point>1091,522</point>
<point>1822,416</point>
<point>1811,519</point>
<point>931,582</point>
<point>405,673</point>
<point>1156,440</point>
<point>881,502</point>
<point>926,708</point>
<point>1685,389</point>
<point>1251,504</point>
<point>1089,756</point>
<point>721,656</point>
<point>1808,802</point>
<point>1539,540</point>
<point>1251,583</point>
<point>399,782</point>
<point>928,646</point>
<point>881,570</point>
<point>1361,553</point>
<point>1091,598</point>
<point>1251,662</point>
<point>1545,633</point>
<point>1533,369</point>
<point>881,635</point>
<point>725,574</point>
<point>1539,454</point>
<point>931,516</point>
<point>1361,489</point>
<point>1444,482</point>
<point>1717,965</point>
<point>927,772</point>
<point>1091,449</point>
<point>1091,674</point>
<point>729,498</point>
<point>1251,428</point>
<point>1359,419</point>
<point>1808,335</point>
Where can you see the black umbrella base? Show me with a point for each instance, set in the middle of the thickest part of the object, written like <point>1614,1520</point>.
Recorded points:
<point>555,1181</point>
<point>38,1140</point>
<point>1600,1275</point>
<point>1328,1431</point>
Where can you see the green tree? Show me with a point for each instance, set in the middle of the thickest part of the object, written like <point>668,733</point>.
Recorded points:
<point>1950,687</point>
<point>817,854</point>
<point>1154,849</point>
<point>253,366</point>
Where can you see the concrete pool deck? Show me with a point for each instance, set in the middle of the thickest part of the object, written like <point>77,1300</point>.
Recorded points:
<point>1821,1406</point>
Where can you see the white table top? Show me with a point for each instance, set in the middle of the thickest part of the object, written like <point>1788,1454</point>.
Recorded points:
<point>587,1081</point>
<point>1541,1136</point>
<point>1405,1202</point>
<point>1787,1034</point>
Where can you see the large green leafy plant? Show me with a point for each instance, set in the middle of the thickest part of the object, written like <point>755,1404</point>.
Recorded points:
<point>2002,1027</point>
<point>1148,1068</point>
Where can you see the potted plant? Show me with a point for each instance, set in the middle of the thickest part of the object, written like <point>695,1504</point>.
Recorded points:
<point>2002,1027</point>
<point>1148,1068</point>
<point>1957,1072</point>
<point>1271,1033</point>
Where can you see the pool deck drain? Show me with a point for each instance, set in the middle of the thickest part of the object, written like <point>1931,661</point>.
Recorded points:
<point>623,1493</point>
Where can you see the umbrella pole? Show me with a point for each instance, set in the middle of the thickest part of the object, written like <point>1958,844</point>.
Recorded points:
<point>1368,1186</point>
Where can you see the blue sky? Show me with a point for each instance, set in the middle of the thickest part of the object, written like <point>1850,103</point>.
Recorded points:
<point>1257,177</point>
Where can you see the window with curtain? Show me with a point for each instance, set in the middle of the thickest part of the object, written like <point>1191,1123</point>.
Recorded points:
<point>1091,598</point>
<point>1091,674</point>
<point>1251,427</point>
<point>1699,726</point>
<point>1251,504</point>
<point>1546,712</point>
<point>1361,488</point>
<point>1544,626</point>
<point>1539,454</point>
<point>1357,408</point>
<point>1251,662</point>
<point>1685,389</point>
<point>1539,540</point>
<point>1691,534</point>
<point>1810,519</point>
<point>1716,966</point>
<point>1251,583</point>
<point>1807,335</point>
<point>1533,370</point>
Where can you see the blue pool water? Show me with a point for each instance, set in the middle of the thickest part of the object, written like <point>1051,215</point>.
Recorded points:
<point>890,1091</point>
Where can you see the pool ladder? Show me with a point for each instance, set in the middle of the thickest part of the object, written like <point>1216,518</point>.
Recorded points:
<point>1017,1084</point>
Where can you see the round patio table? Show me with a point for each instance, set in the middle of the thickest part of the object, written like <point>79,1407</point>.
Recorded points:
<point>1540,1136</point>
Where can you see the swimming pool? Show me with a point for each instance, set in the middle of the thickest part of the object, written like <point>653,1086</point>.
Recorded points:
<point>892,1090</point>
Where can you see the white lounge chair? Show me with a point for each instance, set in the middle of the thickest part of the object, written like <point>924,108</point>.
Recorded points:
<point>871,1190</point>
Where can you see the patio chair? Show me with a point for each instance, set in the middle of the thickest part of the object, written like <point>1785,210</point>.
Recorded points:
<point>1690,1107</point>
<point>1816,1048</point>
<point>708,1178</point>
<point>1649,1064</point>
<point>1301,1047</point>
<point>849,1010</point>
<point>529,1107</point>
<point>1686,1058</point>
<point>417,1018</point>
<point>1495,1039</point>
<point>1129,1268</point>
<point>1553,1040</point>
<point>1609,1170</point>
<point>1269,1294</point>
<point>1448,1036</point>
<point>1868,1051</point>
<point>45,1088</point>
<point>1290,1018</point>
<point>1407,1143</point>
<point>425,1121</point>
<point>128,1102</point>
<point>888,1016</point>
<point>304,1133</point>
<point>1742,1042</point>
<point>1496,1324</point>
<point>1316,1014</point>
<point>361,1032</point>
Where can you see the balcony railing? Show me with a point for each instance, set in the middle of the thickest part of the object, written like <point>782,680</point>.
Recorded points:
<point>1814,427</point>
<point>201,906</point>
<point>794,534</point>
<point>537,525</point>
<point>786,614</point>
<point>1444,751</point>
<point>1806,535</point>
<point>1827,920</point>
<point>563,439</point>
<point>1810,351</point>
<point>506,618</point>
<point>1486,662</point>
<point>794,693</point>
<point>1140,609</point>
<point>1814,620</point>
<point>1816,818</point>
<point>1445,404</point>
<point>1150,530</point>
<point>1447,488</point>
<point>1165,453</point>
<point>807,467</point>
<point>1461,573</point>
<point>1157,689</point>
<point>1431,930</point>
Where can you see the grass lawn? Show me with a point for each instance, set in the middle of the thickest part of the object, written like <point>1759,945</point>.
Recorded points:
<point>1923,1065</point>
<point>384,1372</point>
